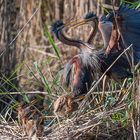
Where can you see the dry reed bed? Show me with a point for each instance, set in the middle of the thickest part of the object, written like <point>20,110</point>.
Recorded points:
<point>94,119</point>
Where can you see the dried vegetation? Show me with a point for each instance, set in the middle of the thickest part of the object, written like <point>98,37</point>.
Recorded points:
<point>112,114</point>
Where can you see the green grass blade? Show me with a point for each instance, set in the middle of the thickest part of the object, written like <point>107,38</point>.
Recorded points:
<point>47,33</point>
<point>44,80</point>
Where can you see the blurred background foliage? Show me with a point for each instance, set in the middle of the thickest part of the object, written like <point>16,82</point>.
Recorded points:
<point>34,61</point>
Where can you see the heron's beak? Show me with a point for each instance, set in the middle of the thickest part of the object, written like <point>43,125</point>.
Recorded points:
<point>76,22</point>
<point>71,23</point>
<point>82,22</point>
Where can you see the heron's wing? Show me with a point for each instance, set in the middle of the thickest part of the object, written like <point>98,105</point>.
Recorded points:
<point>69,70</point>
<point>118,73</point>
<point>130,29</point>
<point>67,73</point>
<point>128,21</point>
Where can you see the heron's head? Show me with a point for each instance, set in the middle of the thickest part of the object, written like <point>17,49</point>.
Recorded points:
<point>105,25</point>
<point>104,20</point>
<point>57,26</point>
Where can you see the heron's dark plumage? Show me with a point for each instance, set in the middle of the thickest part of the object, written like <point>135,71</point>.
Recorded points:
<point>120,70</point>
<point>56,26</point>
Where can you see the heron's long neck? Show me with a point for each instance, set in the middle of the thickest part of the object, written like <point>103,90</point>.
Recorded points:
<point>69,41</point>
<point>93,33</point>
<point>105,32</point>
<point>106,38</point>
